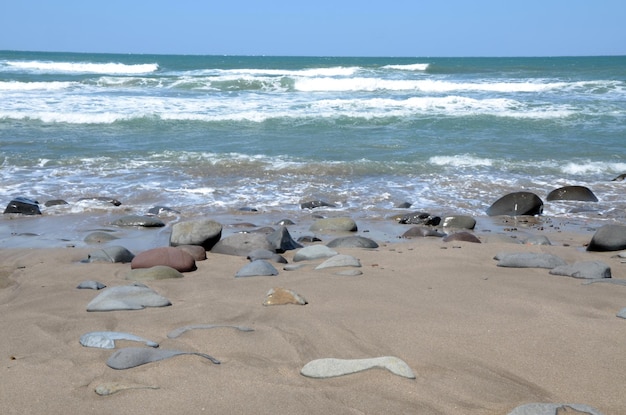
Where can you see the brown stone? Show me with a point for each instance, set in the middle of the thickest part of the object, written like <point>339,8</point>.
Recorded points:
<point>282,296</point>
<point>172,257</point>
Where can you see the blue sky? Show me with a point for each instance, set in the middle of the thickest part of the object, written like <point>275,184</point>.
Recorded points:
<point>318,28</point>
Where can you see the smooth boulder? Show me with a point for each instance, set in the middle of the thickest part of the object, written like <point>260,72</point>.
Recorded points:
<point>579,193</point>
<point>354,241</point>
<point>23,206</point>
<point>312,252</point>
<point>459,222</point>
<point>203,232</point>
<point>258,268</point>
<point>168,256</point>
<point>241,244</point>
<point>341,224</point>
<point>517,204</point>
<point>112,254</point>
<point>608,238</point>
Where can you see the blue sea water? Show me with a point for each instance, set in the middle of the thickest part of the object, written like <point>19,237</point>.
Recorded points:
<point>213,134</point>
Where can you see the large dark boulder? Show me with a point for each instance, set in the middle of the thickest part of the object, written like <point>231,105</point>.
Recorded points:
<point>24,206</point>
<point>580,193</point>
<point>516,204</point>
<point>282,240</point>
<point>608,238</point>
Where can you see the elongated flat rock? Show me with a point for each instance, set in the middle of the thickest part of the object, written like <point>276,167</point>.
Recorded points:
<point>179,331</point>
<point>130,357</point>
<point>529,260</point>
<point>127,297</point>
<point>331,367</point>
<point>340,260</point>
<point>554,409</point>
<point>106,339</point>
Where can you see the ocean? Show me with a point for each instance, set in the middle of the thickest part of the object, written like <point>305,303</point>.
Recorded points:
<point>218,135</point>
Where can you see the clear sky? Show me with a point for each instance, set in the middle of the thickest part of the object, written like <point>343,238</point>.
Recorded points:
<point>318,28</point>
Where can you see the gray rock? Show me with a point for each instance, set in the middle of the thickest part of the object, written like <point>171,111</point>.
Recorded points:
<point>266,254</point>
<point>349,273</point>
<point>111,254</point>
<point>339,260</point>
<point>241,244</point>
<point>257,268</point>
<point>330,367</point>
<point>127,297</point>
<point>197,252</point>
<point>554,409</point>
<point>91,285</point>
<point>608,238</point>
<point>101,199</point>
<point>157,210</point>
<point>352,242</point>
<point>422,232</point>
<point>158,272</point>
<point>584,269</point>
<point>622,313</point>
<point>529,260</point>
<point>203,232</point>
<point>334,225</point>
<point>282,241</point>
<point>580,193</point>
<point>459,222</point>
<point>106,339</point>
<point>99,237</point>
<point>130,357</point>
<point>139,220</point>
<point>313,252</point>
<point>515,204</point>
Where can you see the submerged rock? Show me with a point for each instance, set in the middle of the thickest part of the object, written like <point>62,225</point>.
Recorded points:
<point>580,193</point>
<point>516,204</point>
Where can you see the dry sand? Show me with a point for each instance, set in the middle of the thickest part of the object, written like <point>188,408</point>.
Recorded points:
<point>480,339</point>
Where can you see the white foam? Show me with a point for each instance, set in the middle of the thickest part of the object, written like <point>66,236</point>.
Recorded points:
<point>593,167</point>
<point>33,86</point>
<point>82,67</point>
<point>409,67</point>
<point>461,160</point>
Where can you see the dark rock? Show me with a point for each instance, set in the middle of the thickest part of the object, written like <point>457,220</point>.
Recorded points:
<point>257,268</point>
<point>459,222</point>
<point>282,240</point>
<point>203,232</point>
<point>169,256</point>
<point>419,218</point>
<point>608,238</point>
<point>55,202</point>
<point>620,178</point>
<point>461,237</point>
<point>404,205</point>
<point>139,220</point>
<point>248,209</point>
<point>584,269</point>
<point>580,193</point>
<point>529,260</point>
<point>241,244</point>
<point>309,239</point>
<point>334,225</point>
<point>422,231</point>
<point>315,204</point>
<point>112,254</point>
<point>516,204</point>
<point>352,242</point>
<point>23,206</point>
<point>285,222</point>
<point>112,201</point>
<point>157,210</point>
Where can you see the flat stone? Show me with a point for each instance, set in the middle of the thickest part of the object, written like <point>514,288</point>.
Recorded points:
<point>461,237</point>
<point>139,220</point>
<point>349,273</point>
<point>528,260</point>
<point>422,232</point>
<point>158,272</point>
<point>340,260</point>
<point>166,255</point>
<point>111,254</point>
<point>99,237</point>
<point>282,296</point>
<point>110,388</point>
<point>130,357</point>
<point>203,232</point>
<point>106,339</point>
<point>554,409</point>
<point>584,269</point>
<point>331,367</point>
<point>127,297</point>
<point>257,268</point>
<point>334,225</point>
<point>241,244</point>
<point>181,330</point>
<point>91,285</point>
<point>352,242</point>
<point>313,252</point>
<point>266,254</point>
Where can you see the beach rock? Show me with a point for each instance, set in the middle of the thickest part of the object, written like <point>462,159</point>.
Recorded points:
<point>349,273</point>
<point>241,244</point>
<point>23,206</point>
<point>313,252</point>
<point>157,272</point>
<point>139,220</point>
<point>106,339</point>
<point>340,260</point>
<point>529,260</point>
<point>554,409</point>
<point>130,357</point>
<point>459,222</point>
<point>166,255</point>
<point>112,254</point>
<point>285,222</point>
<point>266,254</point>
<point>461,237</point>
<point>101,199</point>
<point>55,202</point>
<point>308,239</point>
<point>282,241</point>
<point>418,218</point>
<point>110,388</point>
<point>608,238</point>
<point>91,285</point>
<point>334,225</point>
<point>619,178</point>
<point>127,297</point>
<point>159,210</point>
<point>203,232</point>
<point>580,193</point>
<point>282,296</point>
<point>422,232</point>
<point>537,240</point>
<point>99,237</point>
<point>404,205</point>
<point>622,313</point>
<point>330,367</point>
<point>352,242</point>
<point>257,268</point>
<point>315,204</point>
<point>196,251</point>
<point>180,330</point>
<point>516,204</point>
<point>584,269</point>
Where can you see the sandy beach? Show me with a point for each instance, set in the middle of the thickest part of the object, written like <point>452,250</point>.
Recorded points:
<point>480,339</point>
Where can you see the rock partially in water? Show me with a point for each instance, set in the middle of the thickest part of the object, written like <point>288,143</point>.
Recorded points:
<point>517,204</point>
<point>579,193</point>
<point>459,222</point>
<point>316,204</point>
<point>139,220</point>
<point>23,206</point>
<point>98,237</point>
<point>331,367</point>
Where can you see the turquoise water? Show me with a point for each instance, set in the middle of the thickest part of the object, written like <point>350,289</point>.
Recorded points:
<point>217,133</point>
